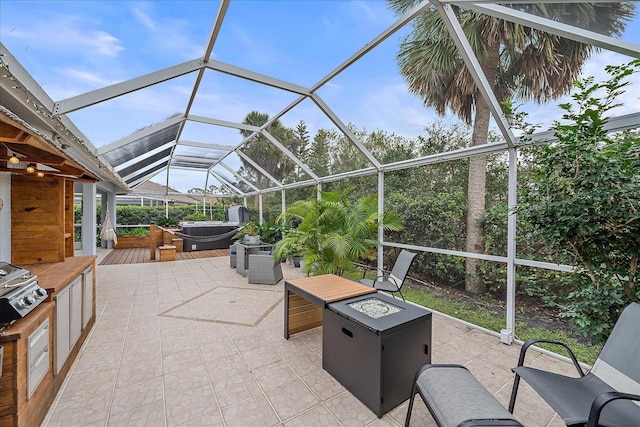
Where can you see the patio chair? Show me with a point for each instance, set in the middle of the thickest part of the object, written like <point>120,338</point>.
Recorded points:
<point>264,269</point>
<point>455,398</point>
<point>603,397</point>
<point>394,281</point>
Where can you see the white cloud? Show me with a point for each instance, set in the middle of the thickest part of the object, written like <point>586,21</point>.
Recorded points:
<point>364,10</point>
<point>79,76</point>
<point>257,51</point>
<point>144,19</point>
<point>71,33</point>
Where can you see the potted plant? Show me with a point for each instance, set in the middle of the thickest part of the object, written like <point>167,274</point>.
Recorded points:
<point>248,234</point>
<point>133,238</point>
<point>333,231</point>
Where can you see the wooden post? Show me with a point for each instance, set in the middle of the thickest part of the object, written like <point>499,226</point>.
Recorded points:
<point>152,245</point>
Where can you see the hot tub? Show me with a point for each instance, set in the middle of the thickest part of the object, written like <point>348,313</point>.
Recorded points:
<point>205,235</point>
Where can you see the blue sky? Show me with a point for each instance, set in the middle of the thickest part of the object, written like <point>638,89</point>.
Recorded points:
<point>72,47</point>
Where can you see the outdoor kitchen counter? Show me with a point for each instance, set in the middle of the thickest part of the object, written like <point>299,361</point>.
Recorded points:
<point>23,327</point>
<point>55,276</point>
<point>16,409</point>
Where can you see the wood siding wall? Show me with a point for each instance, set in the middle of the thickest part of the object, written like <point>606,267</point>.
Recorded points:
<point>37,219</point>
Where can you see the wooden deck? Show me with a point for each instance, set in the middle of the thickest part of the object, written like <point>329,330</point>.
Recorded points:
<point>142,255</point>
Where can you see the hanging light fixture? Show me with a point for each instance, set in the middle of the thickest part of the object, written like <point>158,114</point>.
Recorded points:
<point>14,160</point>
<point>40,174</point>
<point>31,168</point>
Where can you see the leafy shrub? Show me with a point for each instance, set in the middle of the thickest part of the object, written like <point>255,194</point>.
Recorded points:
<point>196,216</point>
<point>135,232</point>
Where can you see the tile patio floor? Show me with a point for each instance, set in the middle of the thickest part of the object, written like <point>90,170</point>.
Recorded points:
<point>191,343</point>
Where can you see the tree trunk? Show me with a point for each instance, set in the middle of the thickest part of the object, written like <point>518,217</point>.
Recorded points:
<point>474,283</point>
<point>476,189</point>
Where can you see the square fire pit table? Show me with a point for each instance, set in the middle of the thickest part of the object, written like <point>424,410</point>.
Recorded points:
<point>305,299</point>
<point>373,345</point>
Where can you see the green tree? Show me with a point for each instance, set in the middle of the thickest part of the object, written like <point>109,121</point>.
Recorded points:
<point>299,146</point>
<point>584,201</point>
<point>317,156</point>
<point>517,61</point>
<point>264,153</point>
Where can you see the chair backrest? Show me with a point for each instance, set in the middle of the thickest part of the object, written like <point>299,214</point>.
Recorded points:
<point>401,267</point>
<point>619,361</point>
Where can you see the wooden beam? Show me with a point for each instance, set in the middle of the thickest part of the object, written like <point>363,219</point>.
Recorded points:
<point>9,133</point>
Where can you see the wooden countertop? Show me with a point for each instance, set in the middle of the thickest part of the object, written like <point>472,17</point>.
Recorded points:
<point>327,288</point>
<point>55,276</point>
<point>26,325</point>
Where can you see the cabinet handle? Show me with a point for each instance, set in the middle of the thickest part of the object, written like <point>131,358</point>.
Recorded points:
<point>37,362</point>
<point>347,332</point>
<point>40,334</point>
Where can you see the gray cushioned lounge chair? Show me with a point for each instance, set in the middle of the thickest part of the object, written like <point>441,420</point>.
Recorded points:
<point>455,398</point>
<point>264,269</point>
<point>608,394</point>
<point>394,281</point>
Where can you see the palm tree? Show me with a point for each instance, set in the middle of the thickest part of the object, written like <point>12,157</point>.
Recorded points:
<point>520,62</point>
<point>333,232</point>
<point>263,152</point>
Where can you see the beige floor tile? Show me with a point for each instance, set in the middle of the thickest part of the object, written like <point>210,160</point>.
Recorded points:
<point>190,405</point>
<point>81,412</point>
<point>135,395</point>
<point>182,381</point>
<point>139,369</point>
<point>304,363</point>
<point>291,399</point>
<point>260,356</point>
<point>254,412</point>
<point>152,414</point>
<point>274,375</point>
<point>216,350</point>
<point>323,384</point>
<point>178,361</point>
<point>317,416</point>
<point>209,420</point>
<point>350,411</point>
<point>237,388</point>
<point>81,387</point>
<point>226,367</point>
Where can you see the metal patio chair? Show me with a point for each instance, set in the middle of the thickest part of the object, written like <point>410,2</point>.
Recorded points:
<point>603,397</point>
<point>394,281</point>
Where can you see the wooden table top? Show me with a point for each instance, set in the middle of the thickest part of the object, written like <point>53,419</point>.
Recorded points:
<point>331,288</point>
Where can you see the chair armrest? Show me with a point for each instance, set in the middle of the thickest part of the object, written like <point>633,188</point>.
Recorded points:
<point>366,268</point>
<point>601,401</point>
<point>530,342</point>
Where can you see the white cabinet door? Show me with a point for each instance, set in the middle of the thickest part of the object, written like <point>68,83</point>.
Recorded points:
<point>75,314</point>
<point>61,339</point>
<point>87,294</point>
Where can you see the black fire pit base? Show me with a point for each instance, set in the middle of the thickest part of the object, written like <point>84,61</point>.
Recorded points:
<point>376,359</point>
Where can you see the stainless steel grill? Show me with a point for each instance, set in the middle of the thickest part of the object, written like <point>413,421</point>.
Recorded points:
<point>19,293</point>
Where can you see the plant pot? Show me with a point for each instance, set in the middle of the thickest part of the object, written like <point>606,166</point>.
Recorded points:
<point>296,260</point>
<point>252,240</point>
<point>125,242</point>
